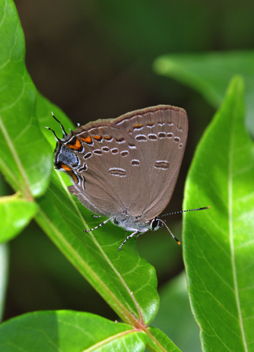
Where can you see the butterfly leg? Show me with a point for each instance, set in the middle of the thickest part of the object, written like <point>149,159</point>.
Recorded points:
<point>96,227</point>
<point>135,233</point>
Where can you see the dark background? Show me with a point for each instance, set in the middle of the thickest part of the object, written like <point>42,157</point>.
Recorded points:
<point>94,60</point>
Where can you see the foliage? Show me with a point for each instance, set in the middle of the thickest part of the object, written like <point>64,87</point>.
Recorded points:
<point>217,242</point>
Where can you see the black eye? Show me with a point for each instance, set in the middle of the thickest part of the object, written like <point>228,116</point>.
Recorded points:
<point>155,223</point>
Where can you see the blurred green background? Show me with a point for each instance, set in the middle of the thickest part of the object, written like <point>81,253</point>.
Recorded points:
<point>94,59</point>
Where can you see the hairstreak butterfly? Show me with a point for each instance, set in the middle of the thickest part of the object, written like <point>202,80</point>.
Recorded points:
<point>126,168</point>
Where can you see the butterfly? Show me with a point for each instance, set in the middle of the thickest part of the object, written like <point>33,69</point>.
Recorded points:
<point>126,168</point>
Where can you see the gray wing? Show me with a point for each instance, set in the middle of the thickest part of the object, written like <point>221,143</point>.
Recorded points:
<point>130,164</point>
<point>162,154</point>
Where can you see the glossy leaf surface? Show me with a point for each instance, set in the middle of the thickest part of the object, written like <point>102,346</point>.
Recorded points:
<point>68,331</point>
<point>16,213</point>
<point>25,156</point>
<point>218,243</point>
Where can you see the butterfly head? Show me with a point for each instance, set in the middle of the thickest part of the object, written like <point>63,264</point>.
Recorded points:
<point>155,224</point>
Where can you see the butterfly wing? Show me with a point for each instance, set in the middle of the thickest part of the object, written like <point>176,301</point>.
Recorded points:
<point>166,130</point>
<point>108,172</point>
<point>129,164</point>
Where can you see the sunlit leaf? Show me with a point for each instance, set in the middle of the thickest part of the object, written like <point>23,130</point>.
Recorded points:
<point>157,341</point>
<point>68,331</point>
<point>218,243</point>
<point>25,156</point>
<point>16,213</point>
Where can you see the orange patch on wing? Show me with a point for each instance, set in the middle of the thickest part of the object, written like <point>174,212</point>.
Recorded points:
<point>138,125</point>
<point>66,168</point>
<point>107,137</point>
<point>76,145</point>
<point>74,177</point>
<point>97,138</point>
<point>70,172</point>
<point>87,139</point>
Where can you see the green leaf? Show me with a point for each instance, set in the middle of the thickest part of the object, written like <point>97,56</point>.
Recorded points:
<point>157,341</point>
<point>210,74</point>
<point>175,318</point>
<point>25,156</point>
<point>218,243</point>
<point>16,213</point>
<point>68,331</point>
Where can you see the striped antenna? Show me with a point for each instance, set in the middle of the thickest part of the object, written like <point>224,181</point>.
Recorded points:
<point>184,211</point>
